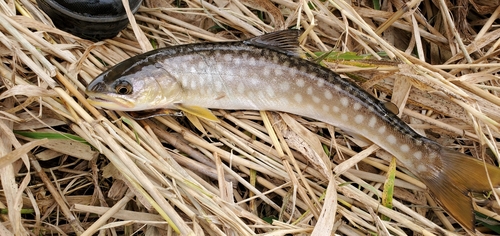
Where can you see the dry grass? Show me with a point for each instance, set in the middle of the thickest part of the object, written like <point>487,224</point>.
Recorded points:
<point>162,176</point>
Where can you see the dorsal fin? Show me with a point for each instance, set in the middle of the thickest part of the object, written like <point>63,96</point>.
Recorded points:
<point>391,107</point>
<point>284,41</point>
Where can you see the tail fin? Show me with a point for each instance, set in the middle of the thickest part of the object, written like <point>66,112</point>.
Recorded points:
<point>461,174</point>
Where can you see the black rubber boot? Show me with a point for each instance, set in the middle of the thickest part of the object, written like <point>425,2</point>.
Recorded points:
<point>89,19</point>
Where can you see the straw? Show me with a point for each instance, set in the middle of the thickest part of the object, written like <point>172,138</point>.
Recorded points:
<point>254,172</point>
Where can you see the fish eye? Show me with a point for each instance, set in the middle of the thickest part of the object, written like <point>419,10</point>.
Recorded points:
<point>123,88</point>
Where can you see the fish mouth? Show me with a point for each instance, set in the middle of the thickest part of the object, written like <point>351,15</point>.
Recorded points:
<point>109,102</point>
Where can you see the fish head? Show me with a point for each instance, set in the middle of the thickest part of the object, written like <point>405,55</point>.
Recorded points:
<point>134,87</point>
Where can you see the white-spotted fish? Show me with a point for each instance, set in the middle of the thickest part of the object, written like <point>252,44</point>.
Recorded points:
<point>265,73</point>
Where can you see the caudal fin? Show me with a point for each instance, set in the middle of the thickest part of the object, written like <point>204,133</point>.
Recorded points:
<point>460,175</point>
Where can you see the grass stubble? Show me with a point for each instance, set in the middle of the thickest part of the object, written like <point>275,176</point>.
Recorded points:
<point>254,172</point>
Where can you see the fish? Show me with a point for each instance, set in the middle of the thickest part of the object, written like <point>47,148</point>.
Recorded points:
<point>268,73</point>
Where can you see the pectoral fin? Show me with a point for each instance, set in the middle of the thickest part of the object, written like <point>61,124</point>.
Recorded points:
<point>198,112</point>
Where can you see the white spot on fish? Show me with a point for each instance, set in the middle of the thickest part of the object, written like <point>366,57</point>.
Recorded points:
<point>326,108</point>
<point>228,57</point>
<point>310,90</point>
<point>276,59</point>
<point>219,67</point>
<point>344,117</point>
<point>254,81</point>
<point>316,99</point>
<point>328,95</point>
<point>251,61</point>
<point>359,118</point>
<point>335,109</point>
<point>285,86</point>
<point>372,122</point>
<point>421,168</point>
<point>321,82</point>
<point>184,82</point>
<point>201,64</point>
<point>242,72</point>
<point>278,72</point>
<point>391,139</point>
<point>266,71</point>
<point>432,156</point>
<point>237,61</point>
<point>270,91</point>
<point>404,148</point>
<point>336,87</point>
<point>193,84</point>
<point>381,130</point>
<point>418,155</point>
<point>418,142</point>
<point>298,97</point>
<point>241,88</point>
<point>344,101</point>
<point>300,83</point>
<point>356,106</point>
